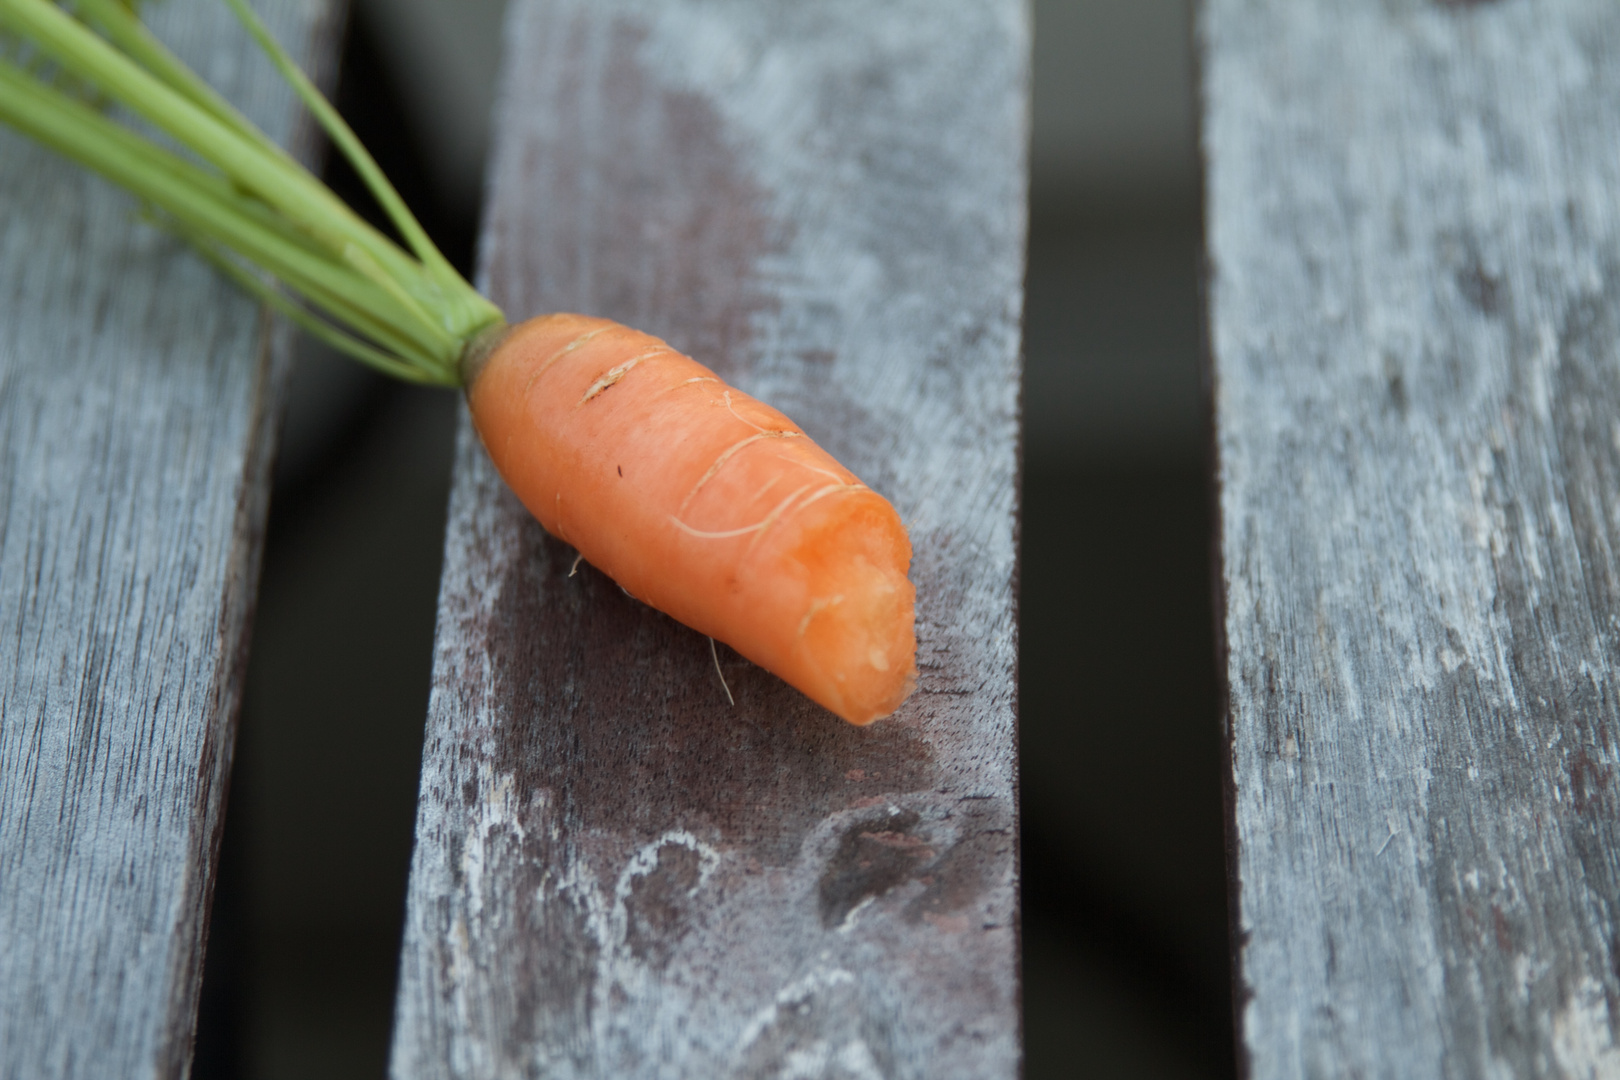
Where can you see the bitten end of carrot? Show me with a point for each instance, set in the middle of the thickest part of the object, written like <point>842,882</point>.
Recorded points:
<point>860,640</point>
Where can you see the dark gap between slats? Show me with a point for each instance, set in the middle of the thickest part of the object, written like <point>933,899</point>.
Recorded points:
<point>309,905</point>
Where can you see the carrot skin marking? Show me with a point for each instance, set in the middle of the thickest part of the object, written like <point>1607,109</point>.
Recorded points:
<point>756,527</point>
<point>559,354</point>
<point>616,373</point>
<point>693,529</point>
<point>726,455</point>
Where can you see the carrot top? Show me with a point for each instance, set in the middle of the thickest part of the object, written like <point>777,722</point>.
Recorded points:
<point>259,215</point>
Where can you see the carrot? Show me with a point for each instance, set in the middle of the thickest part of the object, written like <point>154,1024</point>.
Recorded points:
<point>705,503</point>
<point>696,498</point>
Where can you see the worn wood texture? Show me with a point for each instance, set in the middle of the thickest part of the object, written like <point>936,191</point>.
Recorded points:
<point>617,873</point>
<point>1414,245</point>
<point>136,406</point>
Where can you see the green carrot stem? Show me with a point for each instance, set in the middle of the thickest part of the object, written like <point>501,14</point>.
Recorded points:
<point>126,31</point>
<point>324,331</point>
<point>405,313</point>
<point>344,138</point>
<point>62,122</point>
<point>194,198</point>
<point>268,175</point>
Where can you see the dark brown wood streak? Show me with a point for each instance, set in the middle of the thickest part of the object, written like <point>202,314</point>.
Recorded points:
<point>617,873</point>
<point>137,393</point>
<point>1414,251</point>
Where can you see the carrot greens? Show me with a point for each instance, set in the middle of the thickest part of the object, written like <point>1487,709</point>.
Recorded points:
<point>245,203</point>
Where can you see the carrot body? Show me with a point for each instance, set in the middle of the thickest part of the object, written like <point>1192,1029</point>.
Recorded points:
<point>705,503</point>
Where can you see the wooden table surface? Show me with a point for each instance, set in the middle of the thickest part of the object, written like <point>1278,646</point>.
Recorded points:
<point>1414,281</point>
<point>137,393</point>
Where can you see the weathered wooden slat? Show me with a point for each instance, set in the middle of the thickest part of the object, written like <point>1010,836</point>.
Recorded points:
<point>136,419</point>
<point>617,874</point>
<point>1414,247</point>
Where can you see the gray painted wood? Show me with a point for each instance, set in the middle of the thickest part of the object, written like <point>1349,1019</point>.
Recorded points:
<point>618,874</point>
<point>1414,244</point>
<point>136,421</point>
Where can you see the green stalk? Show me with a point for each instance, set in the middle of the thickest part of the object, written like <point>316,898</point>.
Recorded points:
<point>344,138</point>
<point>126,31</point>
<point>269,175</point>
<point>323,331</point>
<point>247,203</point>
<point>207,206</point>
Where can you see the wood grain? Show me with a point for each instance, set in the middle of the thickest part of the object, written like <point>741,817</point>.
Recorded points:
<point>137,393</point>
<point>1414,250</point>
<point>617,874</point>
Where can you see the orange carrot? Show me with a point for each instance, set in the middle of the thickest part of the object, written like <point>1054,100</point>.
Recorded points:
<point>705,503</point>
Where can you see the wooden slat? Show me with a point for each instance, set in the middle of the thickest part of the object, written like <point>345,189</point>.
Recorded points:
<point>136,407</point>
<point>617,874</point>
<point>1415,320</point>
